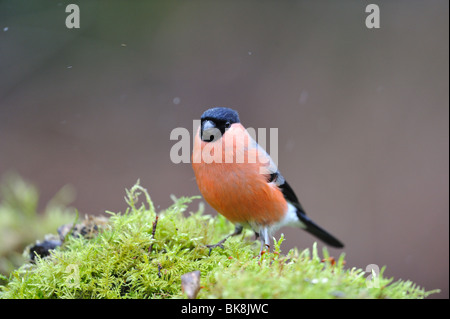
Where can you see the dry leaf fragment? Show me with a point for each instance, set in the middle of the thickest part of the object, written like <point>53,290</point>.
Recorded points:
<point>190,283</point>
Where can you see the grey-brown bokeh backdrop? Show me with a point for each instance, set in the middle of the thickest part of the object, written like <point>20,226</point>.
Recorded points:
<point>362,115</point>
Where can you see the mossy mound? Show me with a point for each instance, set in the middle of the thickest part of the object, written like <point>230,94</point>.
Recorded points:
<point>143,254</point>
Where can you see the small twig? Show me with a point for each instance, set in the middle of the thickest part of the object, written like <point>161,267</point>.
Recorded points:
<point>159,270</point>
<point>153,234</point>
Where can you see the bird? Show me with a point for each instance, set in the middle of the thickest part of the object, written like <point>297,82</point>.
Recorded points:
<point>239,179</point>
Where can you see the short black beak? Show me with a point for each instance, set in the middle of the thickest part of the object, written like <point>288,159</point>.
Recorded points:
<point>207,125</point>
<point>209,130</point>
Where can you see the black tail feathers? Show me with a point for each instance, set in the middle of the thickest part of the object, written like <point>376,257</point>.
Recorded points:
<point>319,232</point>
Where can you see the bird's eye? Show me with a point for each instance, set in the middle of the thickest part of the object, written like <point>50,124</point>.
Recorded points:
<point>227,125</point>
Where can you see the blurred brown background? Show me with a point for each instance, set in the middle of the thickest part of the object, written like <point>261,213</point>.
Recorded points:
<point>362,115</point>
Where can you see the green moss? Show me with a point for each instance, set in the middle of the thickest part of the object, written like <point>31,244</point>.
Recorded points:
<point>20,222</point>
<point>117,263</point>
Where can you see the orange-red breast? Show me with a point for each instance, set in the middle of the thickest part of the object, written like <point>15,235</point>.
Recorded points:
<point>240,180</point>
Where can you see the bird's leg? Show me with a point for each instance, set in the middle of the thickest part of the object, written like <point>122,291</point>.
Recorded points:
<point>262,246</point>
<point>264,239</point>
<point>237,230</point>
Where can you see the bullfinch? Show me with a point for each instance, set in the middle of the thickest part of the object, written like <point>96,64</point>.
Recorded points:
<point>239,179</point>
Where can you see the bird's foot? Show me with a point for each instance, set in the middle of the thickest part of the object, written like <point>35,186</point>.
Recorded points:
<point>238,230</point>
<point>219,244</point>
